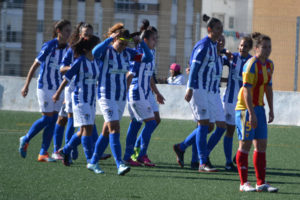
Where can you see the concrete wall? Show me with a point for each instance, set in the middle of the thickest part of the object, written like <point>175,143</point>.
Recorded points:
<point>286,104</point>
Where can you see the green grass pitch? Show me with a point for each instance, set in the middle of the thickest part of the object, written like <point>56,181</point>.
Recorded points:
<point>28,179</point>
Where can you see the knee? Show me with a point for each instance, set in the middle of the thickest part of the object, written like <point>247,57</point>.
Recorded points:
<point>62,121</point>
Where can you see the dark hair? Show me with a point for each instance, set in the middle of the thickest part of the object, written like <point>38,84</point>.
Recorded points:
<point>176,73</point>
<point>85,44</point>
<point>259,38</point>
<point>249,41</point>
<point>149,30</point>
<point>211,21</point>
<point>59,25</point>
<point>78,29</point>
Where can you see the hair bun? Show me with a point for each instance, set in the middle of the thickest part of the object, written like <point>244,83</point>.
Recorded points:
<point>205,18</point>
<point>255,35</point>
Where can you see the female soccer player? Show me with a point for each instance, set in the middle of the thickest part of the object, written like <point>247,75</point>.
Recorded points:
<point>203,60</point>
<point>82,30</point>
<point>86,71</point>
<point>154,97</point>
<point>250,114</point>
<point>112,89</point>
<point>139,106</point>
<point>235,82</point>
<point>49,79</point>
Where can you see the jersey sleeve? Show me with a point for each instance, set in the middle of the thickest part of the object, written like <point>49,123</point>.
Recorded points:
<point>68,58</point>
<point>99,50</point>
<point>75,67</point>
<point>249,71</point>
<point>46,49</point>
<point>196,62</point>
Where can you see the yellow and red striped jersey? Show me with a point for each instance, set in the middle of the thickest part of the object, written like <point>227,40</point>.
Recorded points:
<point>255,75</point>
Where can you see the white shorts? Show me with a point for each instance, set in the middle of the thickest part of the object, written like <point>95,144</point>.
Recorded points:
<point>62,111</point>
<point>84,114</point>
<point>45,101</point>
<point>68,99</point>
<point>199,105</point>
<point>140,110</point>
<point>112,110</point>
<point>153,102</point>
<point>216,106</point>
<point>229,109</point>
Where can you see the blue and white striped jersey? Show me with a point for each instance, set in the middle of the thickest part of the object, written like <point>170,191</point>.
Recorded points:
<point>67,60</point>
<point>235,78</point>
<point>140,84</point>
<point>216,75</point>
<point>50,60</point>
<point>86,74</point>
<point>202,61</point>
<point>112,80</point>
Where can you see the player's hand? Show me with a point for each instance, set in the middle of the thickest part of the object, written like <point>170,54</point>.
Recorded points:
<point>253,120</point>
<point>229,55</point>
<point>271,116</point>
<point>114,35</point>
<point>24,91</point>
<point>188,95</point>
<point>160,99</point>
<point>55,97</point>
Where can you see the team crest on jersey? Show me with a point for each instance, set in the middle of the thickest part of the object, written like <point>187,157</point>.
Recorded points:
<point>203,111</point>
<point>86,116</point>
<point>149,109</point>
<point>247,135</point>
<point>110,112</point>
<point>46,104</point>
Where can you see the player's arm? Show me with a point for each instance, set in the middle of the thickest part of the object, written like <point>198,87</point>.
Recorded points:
<point>129,77</point>
<point>30,74</point>
<point>269,95</point>
<point>159,98</point>
<point>67,78</point>
<point>64,69</point>
<point>249,105</point>
<point>55,97</point>
<point>196,63</point>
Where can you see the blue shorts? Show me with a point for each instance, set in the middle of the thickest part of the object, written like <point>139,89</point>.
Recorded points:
<point>244,129</point>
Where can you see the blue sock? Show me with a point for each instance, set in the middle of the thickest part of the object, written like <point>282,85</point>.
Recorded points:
<point>138,142</point>
<point>94,135</point>
<point>100,147</point>
<point>115,146</point>
<point>74,142</point>
<point>58,136</point>
<point>139,139</point>
<point>214,139</point>
<point>37,126</point>
<point>189,140</point>
<point>146,136</point>
<point>48,134</point>
<point>87,145</point>
<point>132,132</point>
<point>194,152</point>
<point>202,143</point>
<point>70,130</point>
<point>227,144</point>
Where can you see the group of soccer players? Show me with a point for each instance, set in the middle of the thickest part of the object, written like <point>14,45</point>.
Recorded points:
<point>248,80</point>
<point>86,69</point>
